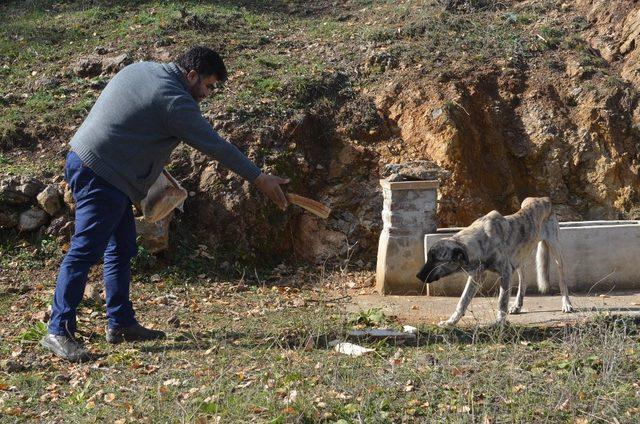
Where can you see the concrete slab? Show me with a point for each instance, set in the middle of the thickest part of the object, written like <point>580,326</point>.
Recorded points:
<point>538,310</point>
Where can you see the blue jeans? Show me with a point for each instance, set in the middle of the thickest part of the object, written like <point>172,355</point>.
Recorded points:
<point>104,226</point>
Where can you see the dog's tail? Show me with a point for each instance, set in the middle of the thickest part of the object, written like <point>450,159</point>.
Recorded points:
<point>542,266</point>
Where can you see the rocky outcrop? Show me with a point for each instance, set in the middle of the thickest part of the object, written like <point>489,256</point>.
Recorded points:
<point>28,204</point>
<point>575,142</point>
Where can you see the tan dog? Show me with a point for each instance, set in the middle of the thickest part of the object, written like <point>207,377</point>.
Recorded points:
<point>500,244</point>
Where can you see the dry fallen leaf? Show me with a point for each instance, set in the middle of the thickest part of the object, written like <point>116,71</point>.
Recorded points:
<point>13,411</point>
<point>109,397</point>
<point>518,388</point>
<point>565,405</point>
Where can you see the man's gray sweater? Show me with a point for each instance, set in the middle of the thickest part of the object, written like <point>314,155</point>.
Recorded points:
<point>140,117</point>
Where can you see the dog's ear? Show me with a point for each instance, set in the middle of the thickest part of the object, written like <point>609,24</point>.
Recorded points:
<point>459,254</point>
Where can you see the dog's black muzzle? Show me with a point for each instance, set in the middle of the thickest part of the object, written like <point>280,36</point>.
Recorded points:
<point>425,276</point>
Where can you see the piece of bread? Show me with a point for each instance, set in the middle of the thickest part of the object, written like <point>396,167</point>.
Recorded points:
<point>312,206</point>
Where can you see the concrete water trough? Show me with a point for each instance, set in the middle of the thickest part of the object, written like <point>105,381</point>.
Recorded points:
<point>599,256</point>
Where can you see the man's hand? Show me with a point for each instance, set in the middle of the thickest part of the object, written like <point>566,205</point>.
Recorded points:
<point>270,185</point>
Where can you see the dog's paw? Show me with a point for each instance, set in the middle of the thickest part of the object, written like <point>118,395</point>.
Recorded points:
<point>446,323</point>
<point>500,320</point>
<point>567,308</point>
<point>515,309</point>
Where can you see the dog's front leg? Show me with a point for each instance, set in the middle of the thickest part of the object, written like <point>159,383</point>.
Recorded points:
<point>473,284</point>
<point>503,298</point>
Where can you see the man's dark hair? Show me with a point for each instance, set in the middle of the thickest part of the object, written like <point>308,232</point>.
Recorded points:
<point>204,61</point>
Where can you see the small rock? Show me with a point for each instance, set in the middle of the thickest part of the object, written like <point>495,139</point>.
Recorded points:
<point>111,65</point>
<point>32,219</point>
<point>67,196</point>
<point>8,218</point>
<point>174,320</point>
<point>19,190</point>
<point>61,227</point>
<point>381,60</point>
<point>576,92</point>
<point>98,84</point>
<point>446,76</point>
<point>45,83</point>
<point>10,98</point>
<point>10,290</point>
<point>88,67</point>
<point>49,200</point>
<point>575,70</point>
<point>61,378</point>
<point>92,294</point>
<point>154,235</point>
<point>11,366</point>
<point>163,42</point>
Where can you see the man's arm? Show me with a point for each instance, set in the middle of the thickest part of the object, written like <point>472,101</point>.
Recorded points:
<point>185,121</point>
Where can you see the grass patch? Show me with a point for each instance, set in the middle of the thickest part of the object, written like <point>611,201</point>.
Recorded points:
<point>261,355</point>
<point>29,253</point>
<point>34,333</point>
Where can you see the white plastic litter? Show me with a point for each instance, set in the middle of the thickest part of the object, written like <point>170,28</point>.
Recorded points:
<point>409,329</point>
<point>163,196</point>
<point>352,349</point>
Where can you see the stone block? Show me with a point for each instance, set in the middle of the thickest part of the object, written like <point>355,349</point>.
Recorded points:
<point>408,214</point>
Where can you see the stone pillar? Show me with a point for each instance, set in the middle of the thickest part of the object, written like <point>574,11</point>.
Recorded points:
<point>408,214</point>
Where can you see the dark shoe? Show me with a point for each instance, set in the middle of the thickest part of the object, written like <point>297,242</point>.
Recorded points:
<point>133,333</point>
<point>65,347</point>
